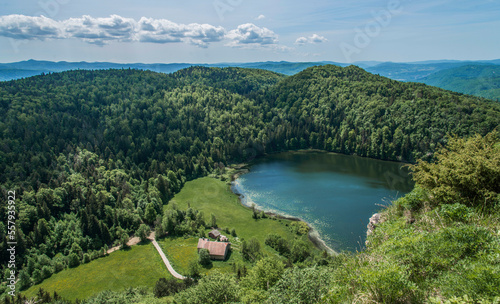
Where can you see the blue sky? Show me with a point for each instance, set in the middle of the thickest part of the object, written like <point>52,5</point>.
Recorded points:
<point>209,31</point>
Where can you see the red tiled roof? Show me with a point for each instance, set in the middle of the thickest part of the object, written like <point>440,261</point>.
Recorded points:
<point>214,248</point>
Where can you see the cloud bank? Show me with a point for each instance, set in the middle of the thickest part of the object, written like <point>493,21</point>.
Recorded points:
<point>101,31</point>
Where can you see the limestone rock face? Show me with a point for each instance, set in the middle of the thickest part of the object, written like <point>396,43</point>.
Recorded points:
<point>374,220</point>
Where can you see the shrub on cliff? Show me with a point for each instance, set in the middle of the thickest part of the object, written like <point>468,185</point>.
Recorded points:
<point>467,171</point>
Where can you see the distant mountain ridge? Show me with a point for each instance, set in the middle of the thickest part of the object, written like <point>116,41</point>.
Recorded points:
<point>422,71</point>
<point>38,67</point>
<point>479,80</point>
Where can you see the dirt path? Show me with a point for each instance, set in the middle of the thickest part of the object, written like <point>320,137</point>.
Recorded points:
<point>135,240</point>
<point>131,242</point>
<point>165,260</point>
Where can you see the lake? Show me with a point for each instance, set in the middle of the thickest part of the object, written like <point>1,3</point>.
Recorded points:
<point>336,194</point>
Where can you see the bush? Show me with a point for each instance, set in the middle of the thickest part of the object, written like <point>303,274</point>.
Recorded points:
<point>194,270</point>
<point>299,228</point>
<point>467,171</point>
<point>250,250</point>
<point>46,272</point>
<point>58,266</point>
<point>164,287</point>
<point>143,232</point>
<point>413,200</point>
<point>278,243</point>
<point>204,257</point>
<point>124,240</point>
<point>456,212</point>
<point>86,258</point>
<point>299,251</point>
<point>73,260</point>
<point>37,276</point>
<point>212,289</point>
<point>389,282</point>
<point>266,272</point>
<point>297,285</point>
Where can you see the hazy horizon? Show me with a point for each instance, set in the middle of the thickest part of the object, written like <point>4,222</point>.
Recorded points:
<point>266,61</point>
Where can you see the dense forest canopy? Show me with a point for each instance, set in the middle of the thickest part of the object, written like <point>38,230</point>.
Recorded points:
<point>93,154</point>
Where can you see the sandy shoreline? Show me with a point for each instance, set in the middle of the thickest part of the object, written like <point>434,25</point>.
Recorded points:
<point>313,235</point>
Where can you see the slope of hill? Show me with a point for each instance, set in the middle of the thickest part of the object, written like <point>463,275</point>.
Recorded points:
<point>478,80</point>
<point>349,110</point>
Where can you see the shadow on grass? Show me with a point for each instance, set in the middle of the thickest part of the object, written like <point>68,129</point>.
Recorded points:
<point>228,256</point>
<point>126,248</point>
<point>209,266</point>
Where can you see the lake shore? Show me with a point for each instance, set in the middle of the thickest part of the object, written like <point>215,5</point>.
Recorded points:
<point>313,234</point>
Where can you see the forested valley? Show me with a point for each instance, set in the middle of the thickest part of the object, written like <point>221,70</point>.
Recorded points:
<point>92,155</point>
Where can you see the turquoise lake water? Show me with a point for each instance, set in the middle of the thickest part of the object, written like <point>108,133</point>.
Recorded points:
<point>336,194</point>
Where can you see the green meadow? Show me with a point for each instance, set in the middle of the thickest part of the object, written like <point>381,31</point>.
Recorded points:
<point>138,266</point>
<point>213,196</point>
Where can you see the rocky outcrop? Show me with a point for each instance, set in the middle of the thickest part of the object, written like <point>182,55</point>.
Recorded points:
<point>374,220</point>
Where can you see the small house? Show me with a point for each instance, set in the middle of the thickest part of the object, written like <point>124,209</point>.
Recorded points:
<point>217,250</point>
<point>214,234</point>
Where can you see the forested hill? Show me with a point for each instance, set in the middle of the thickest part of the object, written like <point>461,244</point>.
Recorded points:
<point>236,80</point>
<point>187,120</point>
<point>353,111</point>
<point>138,116</point>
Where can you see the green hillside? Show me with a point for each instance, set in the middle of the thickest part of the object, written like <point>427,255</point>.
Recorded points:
<point>478,80</point>
<point>139,266</point>
<point>348,110</point>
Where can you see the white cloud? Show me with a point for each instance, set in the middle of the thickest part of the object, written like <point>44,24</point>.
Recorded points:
<point>99,30</point>
<point>315,38</point>
<point>260,17</point>
<point>114,28</point>
<point>165,31</point>
<point>250,35</point>
<point>301,40</point>
<point>26,27</point>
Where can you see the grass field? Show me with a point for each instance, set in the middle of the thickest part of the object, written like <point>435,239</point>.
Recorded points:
<point>180,252</point>
<point>140,265</point>
<point>211,195</point>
